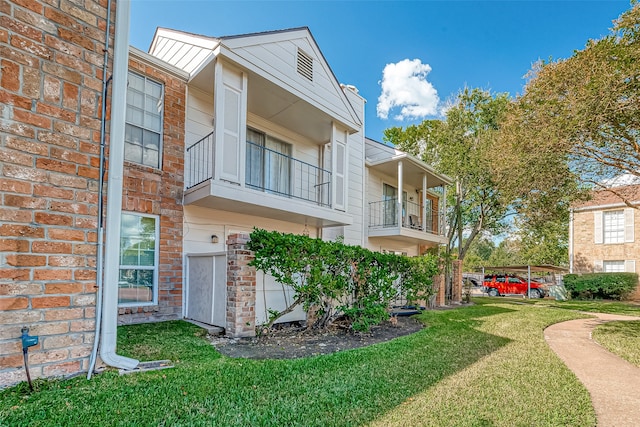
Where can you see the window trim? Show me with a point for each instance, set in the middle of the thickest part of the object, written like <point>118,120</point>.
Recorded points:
<point>156,261</point>
<point>618,263</point>
<point>619,232</point>
<point>161,132</point>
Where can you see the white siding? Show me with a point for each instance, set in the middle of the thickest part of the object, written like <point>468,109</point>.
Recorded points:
<point>200,223</point>
<point>277,61</point>
<point>199,115</point>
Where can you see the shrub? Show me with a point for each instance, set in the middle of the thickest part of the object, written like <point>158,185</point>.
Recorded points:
<point>333,279</point>
<point>615,286</point>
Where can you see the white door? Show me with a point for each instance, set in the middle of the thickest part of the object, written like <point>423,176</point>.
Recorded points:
<point>207,282</point>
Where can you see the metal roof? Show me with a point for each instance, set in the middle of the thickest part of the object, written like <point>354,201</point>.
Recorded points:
<point>524,268</point>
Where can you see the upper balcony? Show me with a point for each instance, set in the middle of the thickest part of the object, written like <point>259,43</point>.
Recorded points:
<point>275,185</point>
<point>406,197</point>
<point>406,221</point>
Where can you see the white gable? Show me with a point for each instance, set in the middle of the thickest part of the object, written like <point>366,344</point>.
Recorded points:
<point>276,55</point>
<point>183,50</point>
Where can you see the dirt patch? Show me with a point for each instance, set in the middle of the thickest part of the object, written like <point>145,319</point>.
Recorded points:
<point>292,342</point>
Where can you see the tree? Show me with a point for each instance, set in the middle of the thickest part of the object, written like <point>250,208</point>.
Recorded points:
<point>577,125</point>
<point>461,146</point>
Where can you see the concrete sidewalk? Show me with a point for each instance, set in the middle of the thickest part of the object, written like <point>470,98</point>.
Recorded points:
<point>614,383</point>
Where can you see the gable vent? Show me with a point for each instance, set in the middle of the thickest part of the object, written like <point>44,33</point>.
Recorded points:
<point>305,65</point>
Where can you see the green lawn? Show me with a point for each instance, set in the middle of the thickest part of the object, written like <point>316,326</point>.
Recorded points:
<point>482,365</point>
<point>621,338</point>
<point>612,307</point>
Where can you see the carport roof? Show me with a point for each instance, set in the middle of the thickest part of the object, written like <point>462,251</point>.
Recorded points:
<point>524,268</point>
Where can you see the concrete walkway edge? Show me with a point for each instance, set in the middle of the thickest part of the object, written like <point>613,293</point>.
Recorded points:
<point>612,382</point>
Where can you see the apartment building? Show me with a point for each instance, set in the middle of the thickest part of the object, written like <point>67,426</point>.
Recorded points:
<point>206,138</point>
<point>602,235</point>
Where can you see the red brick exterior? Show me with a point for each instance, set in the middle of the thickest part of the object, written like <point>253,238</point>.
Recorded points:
<point>159,192</point>
<point>241,288</point>
<point>51,57</point>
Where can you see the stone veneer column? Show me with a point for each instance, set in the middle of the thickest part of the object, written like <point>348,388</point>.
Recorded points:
<point>241,288</point>
<point>456,273</point>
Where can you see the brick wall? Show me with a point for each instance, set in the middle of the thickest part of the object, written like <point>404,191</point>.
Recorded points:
<point>50,96</point>
<point>241,288</point>
<point>586,251</point>
<point>159,192</point>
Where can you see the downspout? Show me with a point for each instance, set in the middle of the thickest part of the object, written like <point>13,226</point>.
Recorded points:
<point>114,193</point>
<point>571,240</point>
<point>100,228</point>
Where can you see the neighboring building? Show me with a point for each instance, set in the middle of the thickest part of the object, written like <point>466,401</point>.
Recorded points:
<point>602,236</point>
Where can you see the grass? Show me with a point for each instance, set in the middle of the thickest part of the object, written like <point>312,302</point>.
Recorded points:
<point>621,338</point>
<point>485,364</point>
<point>596,306</point>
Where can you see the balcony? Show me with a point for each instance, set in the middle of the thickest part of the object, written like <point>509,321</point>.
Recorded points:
<point>275,185</point>
<point>405,223</point>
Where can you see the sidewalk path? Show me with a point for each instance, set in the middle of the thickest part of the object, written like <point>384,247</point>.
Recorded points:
<point>614,383</point>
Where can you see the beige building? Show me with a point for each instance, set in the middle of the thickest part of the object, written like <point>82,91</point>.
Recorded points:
<point>602,232</point>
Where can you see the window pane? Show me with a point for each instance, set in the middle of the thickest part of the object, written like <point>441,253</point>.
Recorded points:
<point>613,226</point>
<point>143,113</point>
<point>137,259</point>
<point>136,82</point>
<point>135,286</point>
<point>613,266</point>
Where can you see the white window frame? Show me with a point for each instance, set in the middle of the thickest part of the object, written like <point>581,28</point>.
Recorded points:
<point>613,266</point>
<point>156,262</point>
<point>613,226</point>
<point>144,127</point>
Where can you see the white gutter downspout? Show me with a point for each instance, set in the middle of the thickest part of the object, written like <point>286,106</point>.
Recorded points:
<point>114,192</point>
<point>571,240</point>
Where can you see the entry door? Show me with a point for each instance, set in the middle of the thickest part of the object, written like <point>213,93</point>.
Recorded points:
<point>206,287</point>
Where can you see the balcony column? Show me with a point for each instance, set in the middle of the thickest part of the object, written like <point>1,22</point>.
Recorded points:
<point>423,204</point>
<point>443,212</point>
<point>400,194</point>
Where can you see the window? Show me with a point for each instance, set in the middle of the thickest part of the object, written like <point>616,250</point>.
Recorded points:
<point>138,259</point>
<point>613,266</point>
<point>143,130</point>
<point>268,163</point>
<point>613,226</point>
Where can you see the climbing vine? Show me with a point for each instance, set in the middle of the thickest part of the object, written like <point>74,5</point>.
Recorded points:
<point>332,279</point>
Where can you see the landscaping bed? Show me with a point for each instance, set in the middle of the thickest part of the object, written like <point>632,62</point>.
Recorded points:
<point>292,342</point>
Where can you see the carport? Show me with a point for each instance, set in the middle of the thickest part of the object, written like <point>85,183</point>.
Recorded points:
<point>528,269</point>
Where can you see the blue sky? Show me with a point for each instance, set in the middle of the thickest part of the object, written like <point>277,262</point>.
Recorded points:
<point>420,52</point>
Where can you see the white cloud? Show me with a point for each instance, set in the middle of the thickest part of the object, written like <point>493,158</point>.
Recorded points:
<point>405,86</point>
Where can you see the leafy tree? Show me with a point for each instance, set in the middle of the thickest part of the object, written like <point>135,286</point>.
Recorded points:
<point>577,123</point>
<point>461,146</point>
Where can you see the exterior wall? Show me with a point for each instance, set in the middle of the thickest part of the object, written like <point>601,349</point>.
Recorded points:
<point>354,234</point>
<point>587,254</point>
<point>201,223</point>
<point>276,60</point>
<point>159,192</point>
<point>51,70</point>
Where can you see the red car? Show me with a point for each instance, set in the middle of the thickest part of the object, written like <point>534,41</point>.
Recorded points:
<point>506,284</point>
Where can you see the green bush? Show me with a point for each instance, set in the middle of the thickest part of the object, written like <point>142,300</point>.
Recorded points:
<point>332,279</point>
<point>615,286</point>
